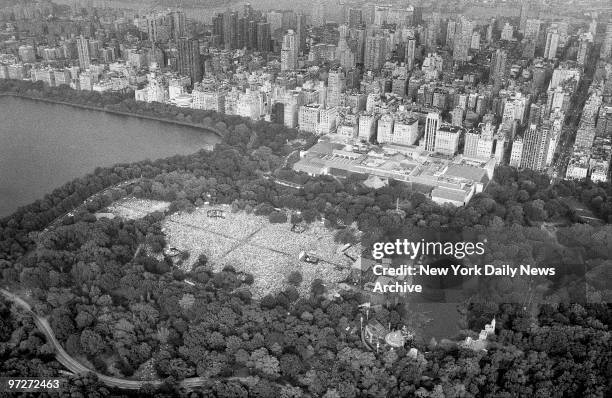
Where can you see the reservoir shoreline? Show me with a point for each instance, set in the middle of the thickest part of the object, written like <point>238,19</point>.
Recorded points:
<point>116,112</point>
<point>47,143</point>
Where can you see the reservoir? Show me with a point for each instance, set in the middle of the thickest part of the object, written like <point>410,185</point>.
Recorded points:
<point>44,145</point>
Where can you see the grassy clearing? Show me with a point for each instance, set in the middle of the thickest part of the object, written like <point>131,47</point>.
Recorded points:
<point>251,244</point>
<point>133,208</point>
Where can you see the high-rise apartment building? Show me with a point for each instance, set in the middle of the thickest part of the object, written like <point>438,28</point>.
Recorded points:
<point>336,83</point>
<point>535,147</point>
<point>355,18</point>
<point>300,30</point>
<point>217,28</point>
<point>606,45</point>
<point>289,51</point>
<point>524,15</point>
<point>308,117</point>
<point>264,36</point>
<point>517,152</point>
<point>83,51</point>
<point>230,30</point>
<point>375,51</point>
<point>410,53</point>
<point>498,66</point>
<point>532,29</point>
<point>584,47</point>
<point>432,124</point>
<point>447,139</point>
<point>507,32</point>
<point>552,42</point>
<point>189,62</point>
<point>367,126</point>
<point>462,39</point>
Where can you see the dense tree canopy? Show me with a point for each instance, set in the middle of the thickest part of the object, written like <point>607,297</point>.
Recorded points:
<point>129,312</point>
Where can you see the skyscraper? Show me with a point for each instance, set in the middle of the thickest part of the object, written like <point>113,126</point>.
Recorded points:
<point>178,25</point>
<point>241,33</point>
<point>355,18</point>
<point>451,29</point>
<point>410,53</point>
<point>343,51</point>
<point>251,35</point>
<point>498,66</point>
<point>432,123</point>
<point>188,61</point>
<point>375,50</point>
<point>431,35</point>
<point>462,40</point>
<point>300,30</point>
<point>336,82</point>
<point>584,47</point>
<point>507,32</point>
<point>218,30</point>
<point>552,42</point>
<point>535,147</point>
<point>524,14</point>
<point>417,15</point>
<point>230,30</point>
<point>264,36</point>
<point>248,11</point>
<point>83,50</point>
<point>159,26</point>
<point>318,14</point>
<point>289,51</point>
<point>532,29</point>
<point>606,45</point>
<point>516,153</point>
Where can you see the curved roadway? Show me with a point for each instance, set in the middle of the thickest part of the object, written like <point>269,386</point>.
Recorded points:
<point>78,368</point>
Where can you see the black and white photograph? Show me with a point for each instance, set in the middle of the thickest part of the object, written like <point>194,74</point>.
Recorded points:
<point>306,198</point>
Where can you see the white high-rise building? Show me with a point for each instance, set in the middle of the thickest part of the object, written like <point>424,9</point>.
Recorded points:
<point>606,46</point>
<point>532,29</point>
<point>584,46</point>
<point>327,120</point>
<point>308,117</point>
<point>27,54</point>
<point>516,155</point>
<point>210,99</point>
<point>345,56</point>
<point>384,132</point>
<point>507,32</point>
<point>367,126</point>
<point>500,148</point>
<point>457,116</point>
<point>556,125</point>
<point>336,83</point>
<point>250,104</point>
<point>552,42</point>
<point>447,140</point>
<point>83,51</point>
<point>432,124</point>
<point>462,39</point>
<point>406,131</point>
<point>289,51</point>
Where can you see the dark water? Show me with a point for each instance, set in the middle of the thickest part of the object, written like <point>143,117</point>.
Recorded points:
<point>43,146</point>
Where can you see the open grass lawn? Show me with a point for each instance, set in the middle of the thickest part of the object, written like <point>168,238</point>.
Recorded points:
<point>251,244</point>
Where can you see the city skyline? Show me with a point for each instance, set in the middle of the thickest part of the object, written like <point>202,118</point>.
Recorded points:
<point>327,199</point>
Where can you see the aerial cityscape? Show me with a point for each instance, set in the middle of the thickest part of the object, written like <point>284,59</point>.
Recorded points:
<point>333,199</point>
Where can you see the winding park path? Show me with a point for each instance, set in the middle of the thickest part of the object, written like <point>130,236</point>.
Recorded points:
<point>77,367</point>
